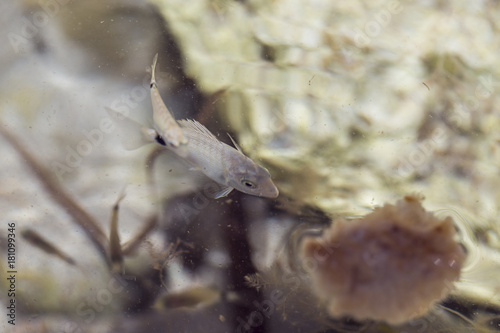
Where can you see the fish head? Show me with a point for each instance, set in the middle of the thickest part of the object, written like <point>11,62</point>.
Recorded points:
<point>250,178</point>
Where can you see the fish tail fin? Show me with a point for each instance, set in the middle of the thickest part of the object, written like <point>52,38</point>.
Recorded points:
<point>135,135</point>
<point>153,69</point>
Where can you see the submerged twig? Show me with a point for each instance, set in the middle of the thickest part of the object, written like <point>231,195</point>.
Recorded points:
<point>208,107</point>
<point>150,162</point>
<point>132,245</point>
<point>114,237</point>
<point>61,197</point>
<point>161,259</point>
<point>37,240</point>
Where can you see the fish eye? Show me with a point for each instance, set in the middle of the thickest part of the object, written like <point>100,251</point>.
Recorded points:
<point>248,183</point>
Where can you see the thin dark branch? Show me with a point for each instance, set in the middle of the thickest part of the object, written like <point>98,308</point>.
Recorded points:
<point>61,197</point>
<point>132,245</point>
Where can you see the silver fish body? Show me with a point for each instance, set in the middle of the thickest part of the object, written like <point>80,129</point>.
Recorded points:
<point>224,164</point>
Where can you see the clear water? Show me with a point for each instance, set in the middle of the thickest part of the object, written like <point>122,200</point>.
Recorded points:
<point>348,105</point>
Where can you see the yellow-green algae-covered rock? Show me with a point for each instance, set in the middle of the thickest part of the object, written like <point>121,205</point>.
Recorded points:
<point>364,101</point>
<point>353,104</point>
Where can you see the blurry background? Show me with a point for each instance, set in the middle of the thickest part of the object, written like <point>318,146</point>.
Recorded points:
<point>349,105</point>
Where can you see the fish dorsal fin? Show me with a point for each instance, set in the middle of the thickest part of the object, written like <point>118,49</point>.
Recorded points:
<point>234,143</point>
<point>198,128</point>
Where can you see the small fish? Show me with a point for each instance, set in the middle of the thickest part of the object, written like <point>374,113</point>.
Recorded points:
<point>224,164</point>
<point>193,142</point>
<point>36,240</point>
<point>165,124</point>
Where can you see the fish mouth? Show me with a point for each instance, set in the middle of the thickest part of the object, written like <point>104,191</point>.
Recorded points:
<point>271,192</point>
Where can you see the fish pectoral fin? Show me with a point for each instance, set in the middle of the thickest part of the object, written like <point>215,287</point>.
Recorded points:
<point>224,192</point>
<point>214,189</point>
